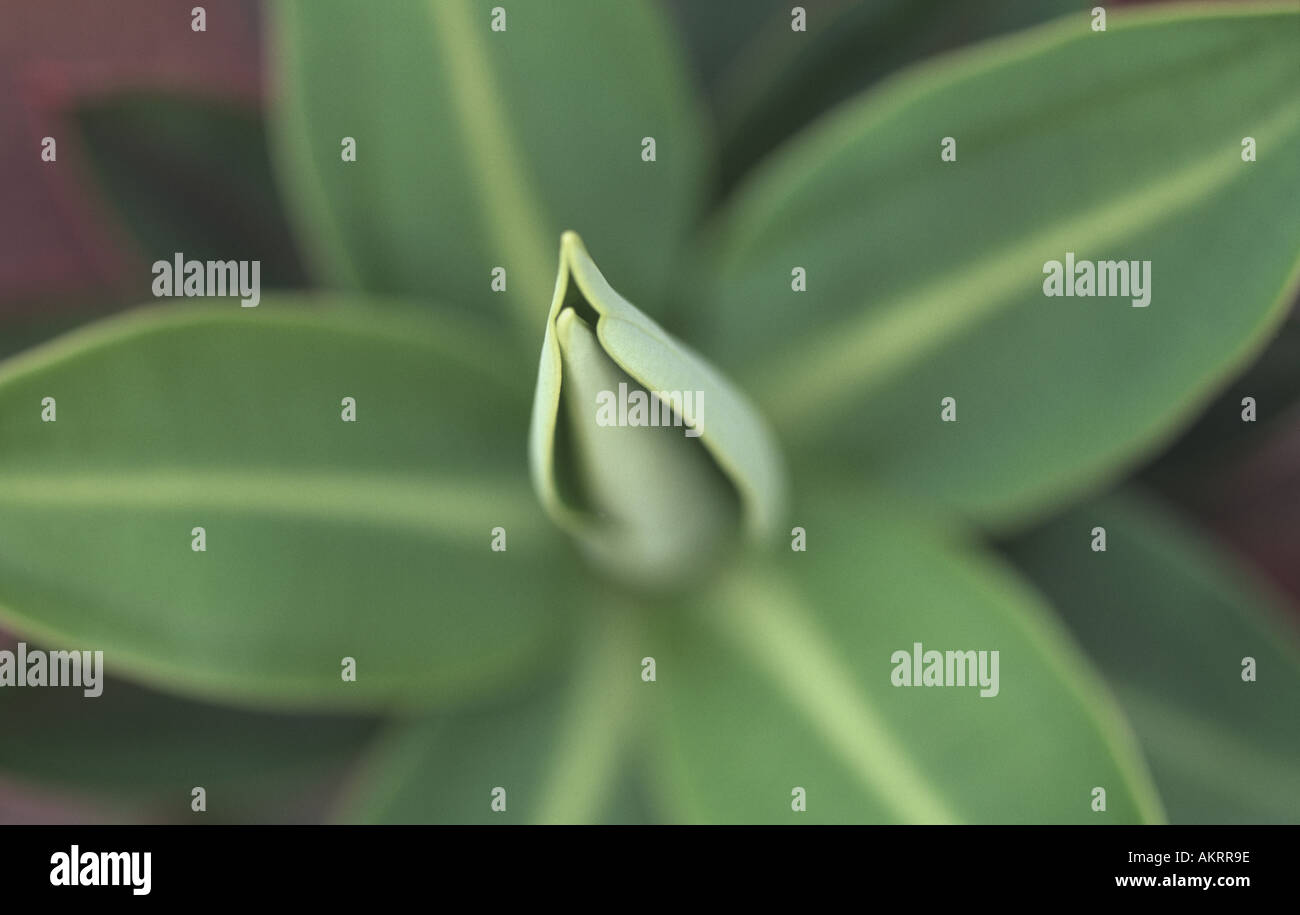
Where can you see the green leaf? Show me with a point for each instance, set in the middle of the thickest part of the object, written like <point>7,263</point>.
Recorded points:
<point>561,753</point>
<point>783,678</point>
<point>1168,617</point>
<point>713,34</point>
<point>132,753</point>
<point>784,80</point>
<point>646,501</point>
<point>325,539</point>
<point>476,148</point>
<point>191,175</point>
<point>924,278</point>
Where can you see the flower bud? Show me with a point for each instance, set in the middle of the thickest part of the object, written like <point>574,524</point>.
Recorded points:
<point>639,448</point>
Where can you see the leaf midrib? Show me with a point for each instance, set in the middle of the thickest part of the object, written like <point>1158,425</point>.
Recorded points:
<point>512,211</point>
<point>460,507</point>
<point>861,354</point>
<point>599,714</point>
<point>777,633</point>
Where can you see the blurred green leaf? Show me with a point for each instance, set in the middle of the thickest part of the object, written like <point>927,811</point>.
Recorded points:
<point>784,80</point>
<point>560,753</point>
<point>134,748</point>
<point>477,148</point>
<point>325,538</point>
<point>783,678</point>
<point>1168,617</point>
<point>713,35</point>
<point>924,278</point>
<point>191,175</point>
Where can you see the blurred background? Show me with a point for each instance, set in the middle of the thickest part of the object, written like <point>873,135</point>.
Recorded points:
<point>162,147</point>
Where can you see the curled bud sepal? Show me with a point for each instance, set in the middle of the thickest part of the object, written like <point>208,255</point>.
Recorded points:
<point>639,448</point>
